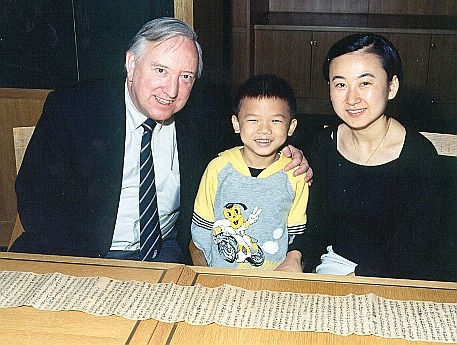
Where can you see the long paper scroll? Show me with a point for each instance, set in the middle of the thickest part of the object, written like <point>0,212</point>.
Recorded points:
<point>232,306</point>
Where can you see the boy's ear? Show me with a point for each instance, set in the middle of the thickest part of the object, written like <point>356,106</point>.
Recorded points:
<point>292,126</point>
<point>235,124</point>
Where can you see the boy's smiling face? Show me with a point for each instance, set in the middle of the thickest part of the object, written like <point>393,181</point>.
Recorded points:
<point>263,124</point>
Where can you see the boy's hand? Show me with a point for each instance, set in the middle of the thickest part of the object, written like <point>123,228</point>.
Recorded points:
<point>298,161</point>
<point>292,262</point>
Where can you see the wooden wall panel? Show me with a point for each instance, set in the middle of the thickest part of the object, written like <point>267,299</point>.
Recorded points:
<point>245,13</point>
<point>184,11</point>
<point>240,57</point>
<point>240,13</point>
<point>442,77</point>
<point>273,55</point>
<point>414,7</point>
<point>328,6</point>
<point>240,54</point>
<point>18,107</point>
<point>409,7</point>
<point>414,52</point>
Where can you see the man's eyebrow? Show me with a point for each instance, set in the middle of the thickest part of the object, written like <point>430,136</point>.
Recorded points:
<point>156,64</point>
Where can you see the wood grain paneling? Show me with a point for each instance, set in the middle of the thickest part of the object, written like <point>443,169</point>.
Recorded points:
<point>414,52</point>
<point>332,6</point>
<point>410,7</point>
<point>442,77</point>
<point>240,13</point>
<point>240,54</point>
<point>414,7</point>
<point>184,11</point>
<point>286,53</point>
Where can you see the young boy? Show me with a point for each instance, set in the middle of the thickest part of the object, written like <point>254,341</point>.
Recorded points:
<point>248,211</point>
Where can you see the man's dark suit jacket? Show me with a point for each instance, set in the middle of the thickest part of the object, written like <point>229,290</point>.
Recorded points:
<point>69,183</point>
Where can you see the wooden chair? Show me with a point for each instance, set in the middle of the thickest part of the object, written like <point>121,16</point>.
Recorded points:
<point>445,144</point>
<point>21,136</point>
<point>197,256</point>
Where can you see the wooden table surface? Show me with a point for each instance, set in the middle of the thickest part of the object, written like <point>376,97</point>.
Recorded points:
<point>26,325</point>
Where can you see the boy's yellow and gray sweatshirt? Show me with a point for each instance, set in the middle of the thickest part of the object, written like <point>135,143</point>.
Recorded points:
<point>244,221</point>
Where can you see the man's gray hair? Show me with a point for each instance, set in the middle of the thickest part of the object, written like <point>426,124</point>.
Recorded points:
<point>161,29</point>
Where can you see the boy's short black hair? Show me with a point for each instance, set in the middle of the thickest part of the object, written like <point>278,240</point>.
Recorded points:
<point>266,86</point>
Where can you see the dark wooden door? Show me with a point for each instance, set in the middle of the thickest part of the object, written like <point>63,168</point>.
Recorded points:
<point>442,76</point>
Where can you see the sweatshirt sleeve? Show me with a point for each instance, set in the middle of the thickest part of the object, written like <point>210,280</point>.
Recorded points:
<point>296,223</point>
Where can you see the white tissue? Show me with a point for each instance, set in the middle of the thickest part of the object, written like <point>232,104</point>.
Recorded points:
<point>332,263</point>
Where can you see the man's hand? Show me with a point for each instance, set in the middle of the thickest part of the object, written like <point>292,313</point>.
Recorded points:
<point>298,161</point>
<point>292,262</point>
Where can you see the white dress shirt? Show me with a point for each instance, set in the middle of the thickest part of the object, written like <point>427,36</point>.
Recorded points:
<point>166,168</point>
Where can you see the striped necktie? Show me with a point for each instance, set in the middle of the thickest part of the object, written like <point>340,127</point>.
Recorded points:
<point>150,236</point>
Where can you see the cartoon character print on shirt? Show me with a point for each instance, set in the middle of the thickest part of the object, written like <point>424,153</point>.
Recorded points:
<point>229,234</point>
